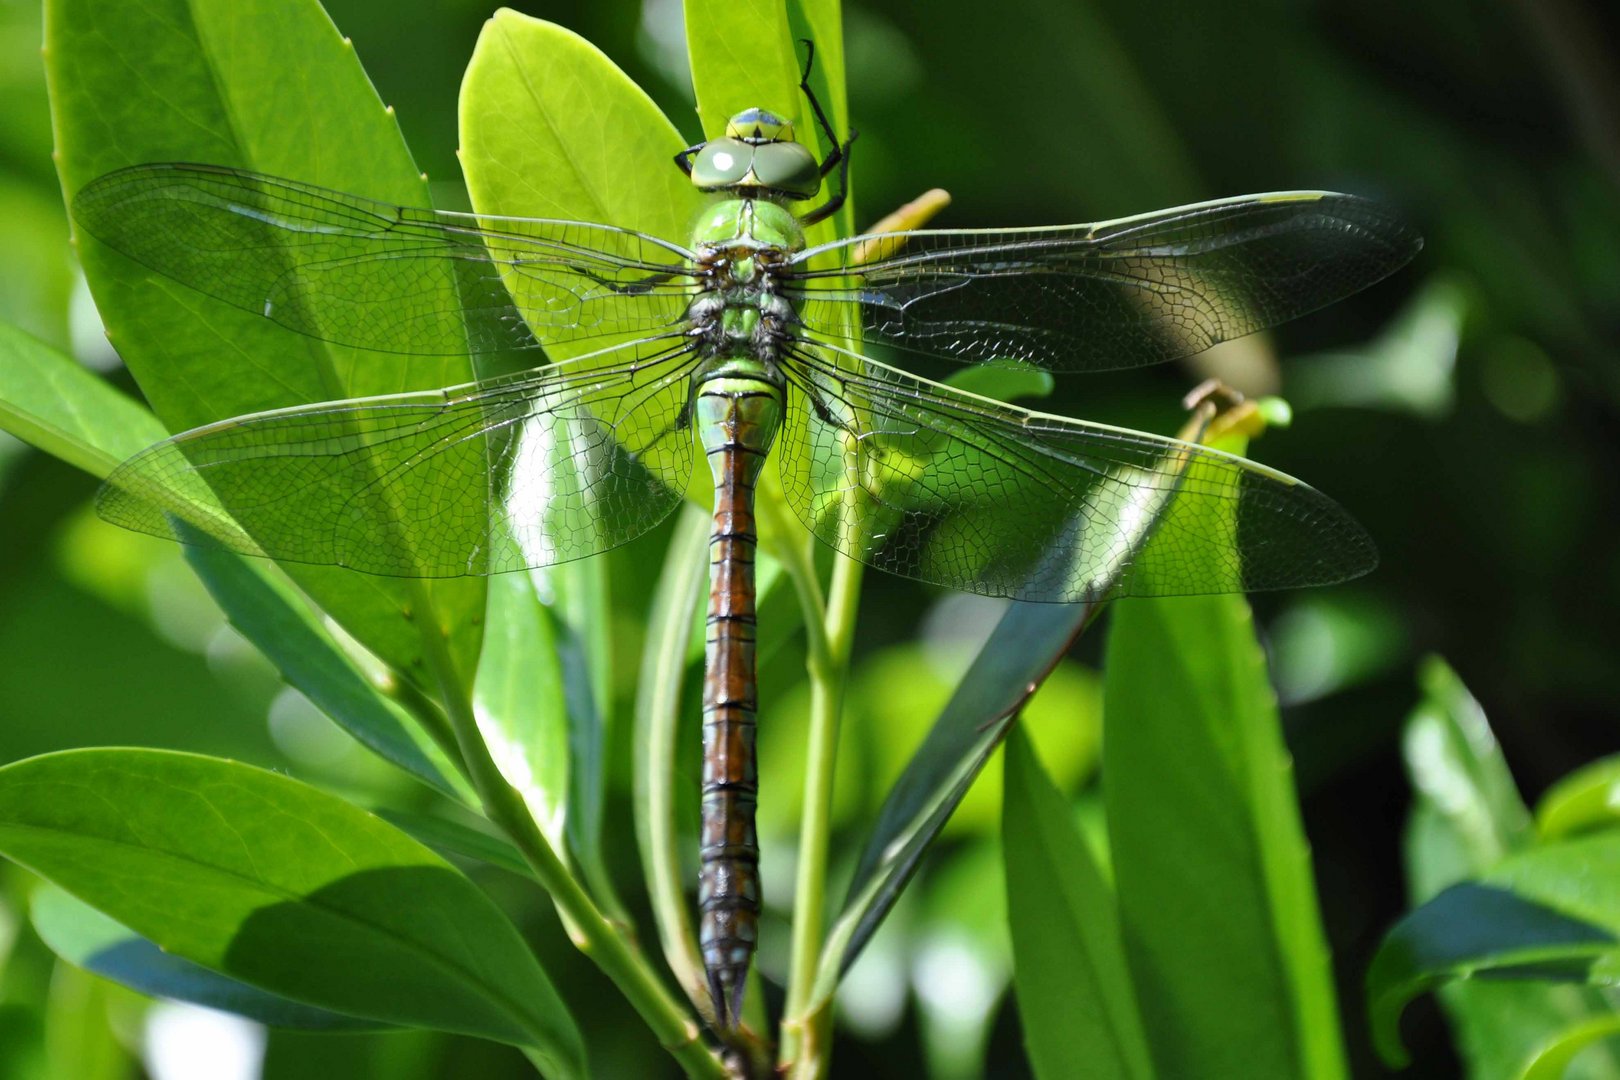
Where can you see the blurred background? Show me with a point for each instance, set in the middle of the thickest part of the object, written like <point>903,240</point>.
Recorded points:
<point>1465,411</point>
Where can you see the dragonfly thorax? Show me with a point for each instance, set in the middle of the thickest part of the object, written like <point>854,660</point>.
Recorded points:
<point>742,248</point>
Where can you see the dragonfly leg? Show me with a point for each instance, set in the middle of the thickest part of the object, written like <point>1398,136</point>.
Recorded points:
<point>683,160</point>
<point>830,207</point>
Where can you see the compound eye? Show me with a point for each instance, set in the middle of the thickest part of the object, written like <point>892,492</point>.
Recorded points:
<point>722,163</point>
<point>759,126</point>
<point>789,168</point>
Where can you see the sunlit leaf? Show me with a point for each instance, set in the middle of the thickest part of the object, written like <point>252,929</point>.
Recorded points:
<point>1210,861</point>
<point>50,401</point>
<point>267,85</point>
<point>1586,799</point>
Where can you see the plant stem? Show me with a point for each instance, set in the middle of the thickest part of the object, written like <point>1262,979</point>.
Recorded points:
<point>831,635</point>
<point>590,930</point>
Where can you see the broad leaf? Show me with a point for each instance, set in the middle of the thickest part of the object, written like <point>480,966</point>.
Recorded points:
<point>1075,997</point>
<point>454,838</point>
<point>1550,913</point>
<point>1210,861</point>
<point>1466,819</point>
<point>86,938</point>
<point>281,886</point>
<point>270,86</point>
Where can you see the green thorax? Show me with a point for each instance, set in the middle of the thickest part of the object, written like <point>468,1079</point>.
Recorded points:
<point>746,225</point>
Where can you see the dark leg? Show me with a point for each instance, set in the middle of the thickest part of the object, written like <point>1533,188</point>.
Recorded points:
<point>827,131</point>
<point>683,160</point>
<point>830,207</point>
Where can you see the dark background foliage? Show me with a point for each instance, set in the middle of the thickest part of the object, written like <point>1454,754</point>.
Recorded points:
<point>1465,411</point>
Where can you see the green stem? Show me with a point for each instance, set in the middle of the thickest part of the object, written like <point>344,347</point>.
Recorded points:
<point>803,1036</point>
<point>591,931</point>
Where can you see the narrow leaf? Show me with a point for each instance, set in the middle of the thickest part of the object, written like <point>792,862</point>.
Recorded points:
<point>278,623</point>
<point>1026,644</point>
<point>1210,861</point>
<point>274,883</point>
<point>518,699</point>
<point>1075,996</point>
<point>50,401</point>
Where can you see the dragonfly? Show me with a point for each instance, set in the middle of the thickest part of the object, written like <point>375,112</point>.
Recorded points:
<point>740,344</point>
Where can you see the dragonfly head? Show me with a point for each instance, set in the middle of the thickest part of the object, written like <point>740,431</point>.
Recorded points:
<point>758,156</point>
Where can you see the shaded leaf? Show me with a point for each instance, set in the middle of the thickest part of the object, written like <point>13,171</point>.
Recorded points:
<point>272,882</point>
<point>1028,641</point>
<point>1550,913</point>
<point>454,838</point>
<point>86,938</point>
<point>1075,996</point>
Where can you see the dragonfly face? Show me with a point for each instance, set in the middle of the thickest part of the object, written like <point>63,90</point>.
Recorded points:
<point>758,157</point>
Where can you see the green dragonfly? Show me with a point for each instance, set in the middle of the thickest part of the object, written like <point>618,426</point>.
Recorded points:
<point>740,342</point>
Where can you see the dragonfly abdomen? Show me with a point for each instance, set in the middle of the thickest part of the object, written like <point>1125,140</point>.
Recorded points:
<point>737,418</point>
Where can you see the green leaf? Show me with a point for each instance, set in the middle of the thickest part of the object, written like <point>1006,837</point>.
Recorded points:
<point>1210,861</point>
<point>1457,768</point>
<point>1551,913</point>
<point>1027,643</point>
<point>657,732</point>
<point>50,401</point>
<point>550,127</point>
<point>1466,819</point>
<point>279,625</point>
<point>87,939</point>
<point>518,699</point>
<point>274,883</point>
<point>82,1039</point>
<point>1586,799</point>
<point>1003,382</point>
<point>1554,1061</point>
<point>266,85</point>
<point>1075,997</point>
<point>743,57</point>
<point>454,838</point>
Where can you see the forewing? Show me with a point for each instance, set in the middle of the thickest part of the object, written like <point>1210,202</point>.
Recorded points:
<point>555,464</point>
<point>1114,294</point>
<point>929,483</point>
<point>358,272</point>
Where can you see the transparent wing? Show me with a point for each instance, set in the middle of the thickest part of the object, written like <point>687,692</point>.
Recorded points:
<point>1115,294</point>
<point>370,274</point>
<point>520,471</point>
<point>930,483</point>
